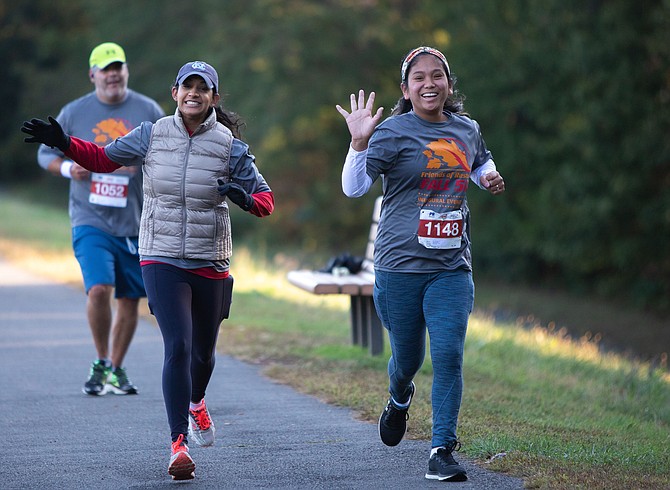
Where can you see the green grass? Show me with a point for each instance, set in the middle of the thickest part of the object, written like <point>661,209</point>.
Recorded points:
<point>46,228</point>
<point>537,404</point>
<point>565,415</point>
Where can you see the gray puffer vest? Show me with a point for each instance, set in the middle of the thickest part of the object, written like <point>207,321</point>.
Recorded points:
<point>183,215</point>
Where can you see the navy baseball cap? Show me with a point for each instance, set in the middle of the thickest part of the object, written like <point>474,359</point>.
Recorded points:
<point>202,69</point>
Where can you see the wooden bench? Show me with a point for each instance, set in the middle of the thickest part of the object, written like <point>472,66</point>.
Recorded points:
<point>366,327</point>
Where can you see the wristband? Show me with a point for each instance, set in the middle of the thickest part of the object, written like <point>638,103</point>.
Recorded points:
<point>66,168</point>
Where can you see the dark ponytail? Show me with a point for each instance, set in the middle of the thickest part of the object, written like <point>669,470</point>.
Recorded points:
<point>230,120</point>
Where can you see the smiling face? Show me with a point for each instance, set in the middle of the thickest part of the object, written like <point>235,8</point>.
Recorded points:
<point>111,82</point>
<point>194,100</point>
<point>427,87</point>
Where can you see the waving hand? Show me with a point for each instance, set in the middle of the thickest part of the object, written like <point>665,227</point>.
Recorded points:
<point>360,120</point>
<point>49,133</point>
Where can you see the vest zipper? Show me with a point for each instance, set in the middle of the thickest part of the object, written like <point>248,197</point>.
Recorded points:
<point>184,211</point>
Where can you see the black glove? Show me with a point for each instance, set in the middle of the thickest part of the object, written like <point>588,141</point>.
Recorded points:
<point>51,134</point>
<point>236,194</point>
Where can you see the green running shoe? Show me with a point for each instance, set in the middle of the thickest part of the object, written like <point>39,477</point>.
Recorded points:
<point>97,378</point>
<point>119,384</point>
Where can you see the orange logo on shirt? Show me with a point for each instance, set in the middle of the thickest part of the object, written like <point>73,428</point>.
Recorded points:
<point>446,151</point>
<point>108,130</point>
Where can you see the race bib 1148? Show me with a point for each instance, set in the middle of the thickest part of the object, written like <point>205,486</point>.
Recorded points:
<point>440,230</point>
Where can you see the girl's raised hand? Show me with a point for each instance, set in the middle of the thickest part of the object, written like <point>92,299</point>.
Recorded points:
<point>360,121</point>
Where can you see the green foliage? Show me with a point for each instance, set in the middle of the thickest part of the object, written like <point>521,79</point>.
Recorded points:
<point>573,98</point>
<point>580,101</point>
<point>37,40</point>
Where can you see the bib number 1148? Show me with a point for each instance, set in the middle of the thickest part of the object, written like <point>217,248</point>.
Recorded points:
<point>440,230</point>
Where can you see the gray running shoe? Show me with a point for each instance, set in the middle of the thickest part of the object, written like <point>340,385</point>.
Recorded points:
<point>200,426</point>
<point>181,466</point>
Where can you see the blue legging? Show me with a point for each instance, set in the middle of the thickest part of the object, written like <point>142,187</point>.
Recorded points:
<point>189,309</point>
<point>408,304</point>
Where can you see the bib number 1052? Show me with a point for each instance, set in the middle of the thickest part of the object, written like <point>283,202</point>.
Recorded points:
<point>109,190</point>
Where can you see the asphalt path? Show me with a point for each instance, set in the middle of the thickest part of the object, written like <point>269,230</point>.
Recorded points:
<point>268,435</point>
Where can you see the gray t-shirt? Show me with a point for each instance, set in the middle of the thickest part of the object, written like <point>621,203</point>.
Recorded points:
<point>425,169</point>
<point>110,202</point>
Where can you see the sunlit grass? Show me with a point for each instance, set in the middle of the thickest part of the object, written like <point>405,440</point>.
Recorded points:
<point>564,413</point>
<point>557,411</point>
<point>38,239</point>
<point>57,265</point>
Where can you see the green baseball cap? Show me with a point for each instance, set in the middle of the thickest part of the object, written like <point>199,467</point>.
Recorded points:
<point>106,54</point>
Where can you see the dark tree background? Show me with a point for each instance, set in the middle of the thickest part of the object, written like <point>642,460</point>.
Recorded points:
<point>573,97</point>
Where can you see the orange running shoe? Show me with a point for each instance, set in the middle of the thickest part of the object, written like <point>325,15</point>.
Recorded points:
<point>181,465</point>
<point>200,426</point>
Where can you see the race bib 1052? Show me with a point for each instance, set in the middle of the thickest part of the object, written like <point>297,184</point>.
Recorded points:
<point>109,190</point>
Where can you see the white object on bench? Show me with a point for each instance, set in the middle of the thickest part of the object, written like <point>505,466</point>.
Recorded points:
<point>366,327</point>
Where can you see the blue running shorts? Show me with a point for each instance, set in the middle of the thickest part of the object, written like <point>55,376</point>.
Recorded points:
<point>110,260</point>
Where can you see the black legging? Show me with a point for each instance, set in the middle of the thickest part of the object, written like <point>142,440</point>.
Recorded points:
<point>189,309</point>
